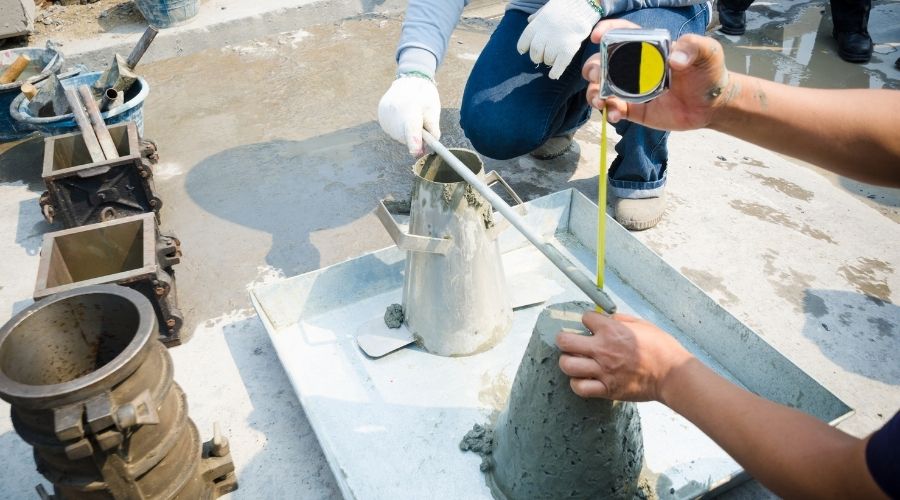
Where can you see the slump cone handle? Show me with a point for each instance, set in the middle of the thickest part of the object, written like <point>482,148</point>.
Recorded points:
<point>581,280</point>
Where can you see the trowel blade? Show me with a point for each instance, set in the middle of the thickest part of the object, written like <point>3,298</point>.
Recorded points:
<point>527,290</point>
<point>377,340</point>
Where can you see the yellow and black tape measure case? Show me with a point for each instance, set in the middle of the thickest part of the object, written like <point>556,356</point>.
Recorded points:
<point>634,64</point>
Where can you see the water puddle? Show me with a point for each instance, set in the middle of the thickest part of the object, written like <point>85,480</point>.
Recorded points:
<point>792,44</point>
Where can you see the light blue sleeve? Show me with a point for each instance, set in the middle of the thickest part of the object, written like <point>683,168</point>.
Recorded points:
<point>426,33</point>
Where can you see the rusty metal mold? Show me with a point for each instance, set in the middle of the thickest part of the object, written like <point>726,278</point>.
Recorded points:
<point>130,251</point>
<point>92,392</point>
<point>81,192</point>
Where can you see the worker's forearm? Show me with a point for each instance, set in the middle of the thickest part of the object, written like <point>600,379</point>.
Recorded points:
<point>790,452</point>
<point>852,132</point>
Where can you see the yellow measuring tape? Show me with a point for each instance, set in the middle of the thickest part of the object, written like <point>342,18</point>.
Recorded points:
<point>634,70</point>
<point>601,209</point>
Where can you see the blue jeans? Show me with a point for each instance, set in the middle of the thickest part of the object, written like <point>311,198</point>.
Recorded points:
<point>510,106</point>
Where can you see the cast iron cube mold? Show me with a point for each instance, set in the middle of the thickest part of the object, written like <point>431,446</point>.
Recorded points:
<point>81,192</point>
<point>130,251</point>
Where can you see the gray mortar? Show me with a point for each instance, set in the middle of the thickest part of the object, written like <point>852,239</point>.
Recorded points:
<point>398,206</point>
<point>479,440</point>
<point>476,201</point>
<point>549,442</point>
<point>393,316</point>
<point>473,198</point>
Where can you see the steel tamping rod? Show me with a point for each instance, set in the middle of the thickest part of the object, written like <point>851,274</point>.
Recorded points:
<point>585,283</point>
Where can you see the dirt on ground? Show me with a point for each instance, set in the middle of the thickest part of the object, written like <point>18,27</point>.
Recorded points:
<point>70,19</point>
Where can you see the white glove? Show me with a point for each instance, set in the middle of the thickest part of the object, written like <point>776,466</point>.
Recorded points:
<point>412,103</point>
<point>555,32</point>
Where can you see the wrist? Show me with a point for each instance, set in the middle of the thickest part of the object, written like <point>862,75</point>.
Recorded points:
<point>415,60</point>
<point>596,6</point>
<point>677,378</point>
<point>726,107</point>
<point>582,10</point>
<point>415,74</point>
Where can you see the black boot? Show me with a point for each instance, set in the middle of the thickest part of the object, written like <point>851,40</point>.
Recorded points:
<point>733,16</point>
<point>851,20</point>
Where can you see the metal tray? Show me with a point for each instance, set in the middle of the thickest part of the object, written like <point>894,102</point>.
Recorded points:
<point>390,427</point>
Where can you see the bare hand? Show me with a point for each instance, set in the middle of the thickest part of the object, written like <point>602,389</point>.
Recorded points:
<point>627,358</point>
<point>699,84</point>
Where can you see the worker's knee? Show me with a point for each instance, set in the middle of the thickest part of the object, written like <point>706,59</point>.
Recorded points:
<point>498,133</point>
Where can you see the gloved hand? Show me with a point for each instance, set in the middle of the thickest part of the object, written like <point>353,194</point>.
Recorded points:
<point>412,103</point>
<point>555,32</point>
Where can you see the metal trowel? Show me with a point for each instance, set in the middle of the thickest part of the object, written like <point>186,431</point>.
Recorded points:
<point>377,340</point>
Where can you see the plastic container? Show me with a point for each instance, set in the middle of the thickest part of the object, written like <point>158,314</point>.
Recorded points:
<point>131,110</point>
<point>167,13</point>
<point>43,63</point>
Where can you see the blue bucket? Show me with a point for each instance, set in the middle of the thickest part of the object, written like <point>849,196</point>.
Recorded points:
<point>131,110</point>
<point>50,60</point>
<point>167,13</point>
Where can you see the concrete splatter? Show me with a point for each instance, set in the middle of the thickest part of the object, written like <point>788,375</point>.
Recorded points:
<point>772,215</point>
<point>784,186</point>
<point>752,162</point>
<point>711,283</point>
<point>869,277</point>
<point>494,390</point>
<point>789,283</point>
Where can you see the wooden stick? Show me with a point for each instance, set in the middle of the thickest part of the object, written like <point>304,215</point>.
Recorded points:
<point>87,133</point>
<point>29,90</point>
<point>138,51</point>
<point>15,69</point>
<point>106,142</point>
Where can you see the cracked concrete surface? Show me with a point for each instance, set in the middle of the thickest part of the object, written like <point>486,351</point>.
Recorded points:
<point>271,162</point>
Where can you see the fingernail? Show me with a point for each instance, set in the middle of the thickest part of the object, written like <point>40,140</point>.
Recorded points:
<point>614,115</point>
<point>597,103</point>
<point>678,57</point>
<point>594,74</point>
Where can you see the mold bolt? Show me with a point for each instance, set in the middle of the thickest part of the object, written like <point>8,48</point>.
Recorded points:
<point>42,492</point>
<point>160,291</point>
<point>153,203</point>
<point>219,446</point>
<point>170,322</point>
<point>107,214</point>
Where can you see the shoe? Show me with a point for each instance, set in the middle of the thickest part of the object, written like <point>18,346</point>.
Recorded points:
<point>855,47</point>
<point>554,147</point>
<point>641,213</point>
<point>731,21</point>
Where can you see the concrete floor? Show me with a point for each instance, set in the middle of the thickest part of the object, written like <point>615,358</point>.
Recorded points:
<point>272,161</point>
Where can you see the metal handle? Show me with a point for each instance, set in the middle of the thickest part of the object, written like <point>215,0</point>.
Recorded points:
<point>492,178</point>
<point>410,242</point>
<point>580,280</point>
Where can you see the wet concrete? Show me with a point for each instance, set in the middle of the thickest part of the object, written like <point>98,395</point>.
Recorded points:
<point>272,162</point>
<point>551,443</point>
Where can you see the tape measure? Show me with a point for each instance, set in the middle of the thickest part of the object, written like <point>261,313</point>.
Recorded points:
<point>634,67</point>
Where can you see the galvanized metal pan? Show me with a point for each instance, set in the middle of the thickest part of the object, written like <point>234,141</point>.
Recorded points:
<point>390,427</point>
